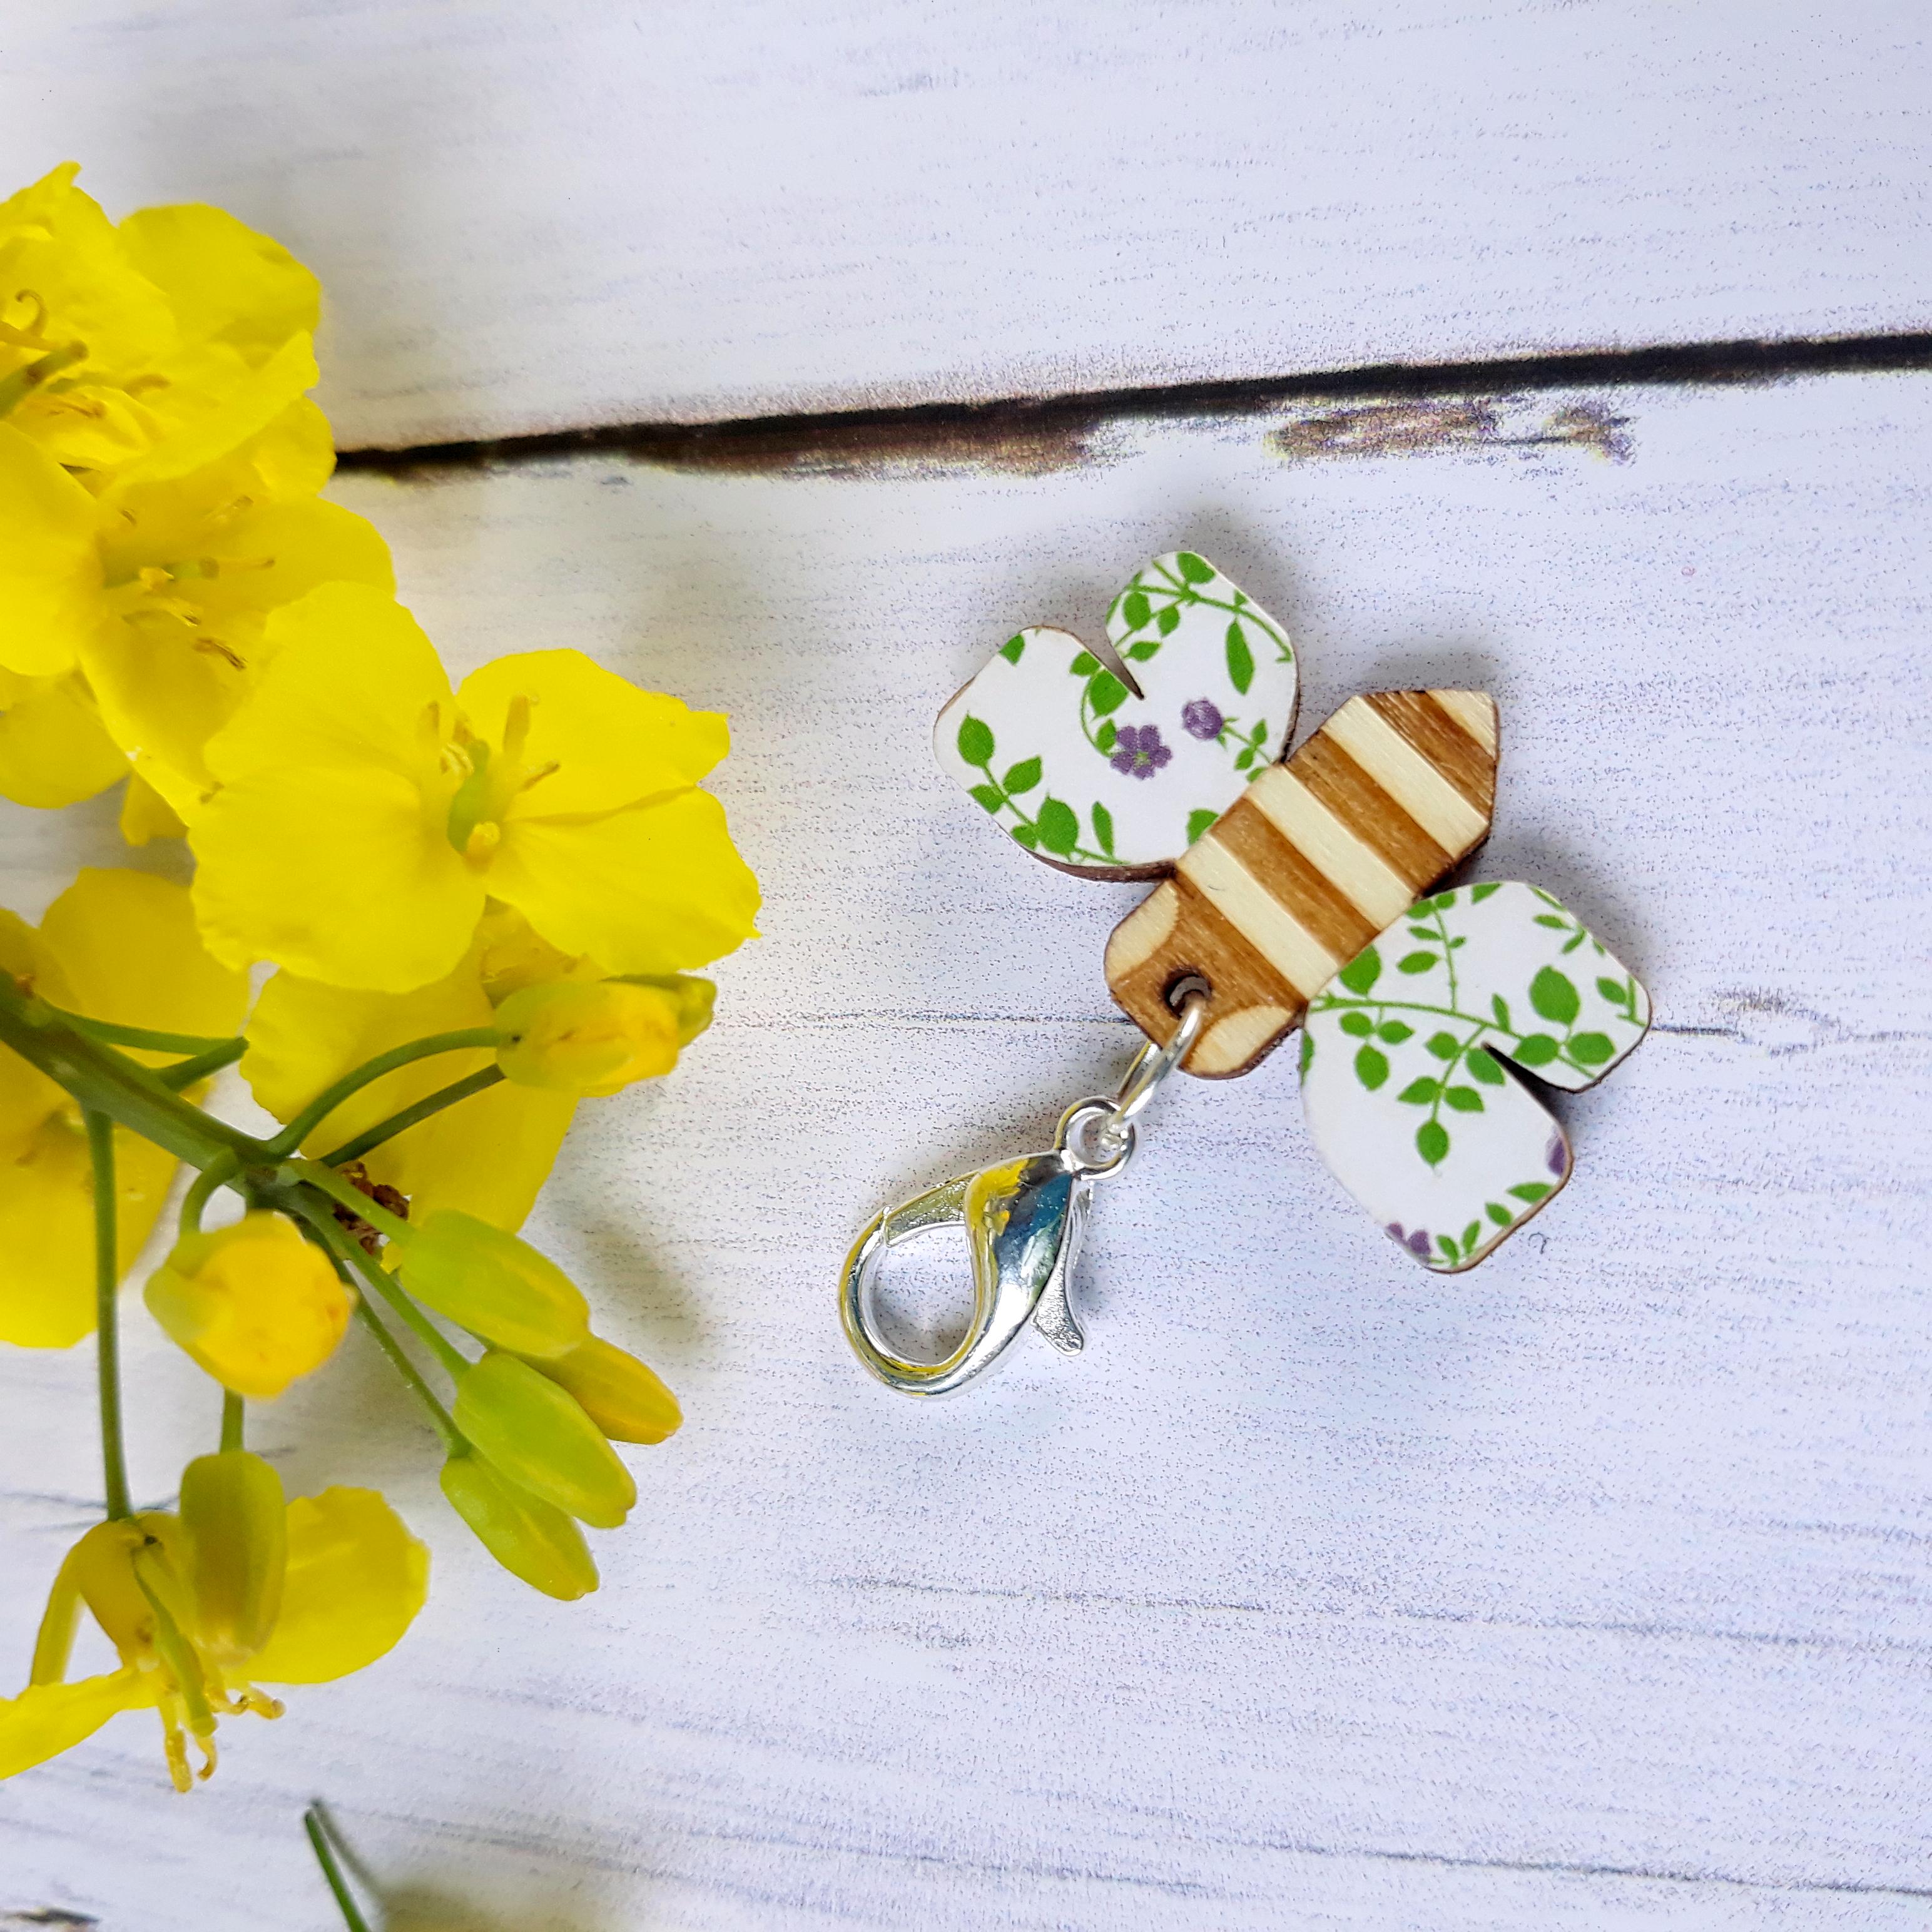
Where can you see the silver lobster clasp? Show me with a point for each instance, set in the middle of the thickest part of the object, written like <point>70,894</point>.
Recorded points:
<point>1024,1220</point>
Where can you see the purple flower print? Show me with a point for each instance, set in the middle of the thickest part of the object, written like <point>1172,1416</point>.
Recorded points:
<point>1138,752</point>
<point>1416,1243</point>
<point>1201,717</point>
<point>1558,1156</point>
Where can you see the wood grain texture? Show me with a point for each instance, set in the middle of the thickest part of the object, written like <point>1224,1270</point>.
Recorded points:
<point>1593,1589</point>
<point>536,216</point>
<point>1303,869</point>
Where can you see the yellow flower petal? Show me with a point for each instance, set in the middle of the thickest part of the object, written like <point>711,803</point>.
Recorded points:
<point>47,1719</point>
<point>46,1229</point>
<point>355,1580</point>
<point>611,743</point>
<point>337,759</point>
<point>225,282</point>
<point>165,688</point>
<point>146,816</point>
<point>49,561</point>
<point>54,750</point>
<point>655,888</point>
<point>126,950</point>
<point>258,400</point>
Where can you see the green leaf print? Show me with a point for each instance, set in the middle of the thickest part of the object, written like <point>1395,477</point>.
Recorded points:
<point>1105,693</point>
<point>1241,659</point>
<point>1012,648</point>
<point>1084,665</point>
<point>1136,609</point>
<point>1307,1053</point>
<point>1432,1141</point>
<point>1531,1191</point>
<point>1534,1049</point>
<point>1498,1213</point>
<point>1198,821</point>
<point>1447,1243</point>
<point>1500,1007</point>
<point>1554,995</point>
<point>1415,962</point>
<point>1479,893</point>
<point>990,797</point>
<point>1469,1234</point>
<point>1194,568</point>
<point>1168,622</point>
<point>975,740</point>
<point>1021,777</point>
<point>1026,835</point>
<point>1105,737</point>
<point>1103,828</point>
<point>1147,648</point>
<point>1591,1049</point>
<point>1444,1046</point>
<point>1059,828</point>
<point>1394,1031</point>
<point>1363,971</point>
<point>1610,990</point>
<point>1482,1066</point>
<point>1358,1024</point>
<point>1422,1093</point>
<point>1371,1068</point>
<point>1464,1099</point>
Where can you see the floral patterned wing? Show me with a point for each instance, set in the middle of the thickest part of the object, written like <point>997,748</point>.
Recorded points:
<point>1091,775</point>
<point>1402,1082</point>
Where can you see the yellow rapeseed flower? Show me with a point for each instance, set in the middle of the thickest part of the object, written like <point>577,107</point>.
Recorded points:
<point>545,782</point>
<point>113,339</point>
<point>157,586</point>
<point>204,1610</point>
<point>116,945</point>
<point>253,1303</point>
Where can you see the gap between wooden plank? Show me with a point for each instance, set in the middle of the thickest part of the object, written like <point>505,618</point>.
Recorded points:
<point>1035,433</point>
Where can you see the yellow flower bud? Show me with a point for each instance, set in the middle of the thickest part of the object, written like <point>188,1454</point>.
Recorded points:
<point>535,1433</point>
<point>493,1285</point>
<point>235,1518</point>
<point>594,1037</point>
<point>254,1303</point>
<point>533,1539</point>
<point>624,1398</point>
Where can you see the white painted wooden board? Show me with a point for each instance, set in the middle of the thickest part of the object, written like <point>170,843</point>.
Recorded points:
<point>559,212</point>
<point>1592,1588</point>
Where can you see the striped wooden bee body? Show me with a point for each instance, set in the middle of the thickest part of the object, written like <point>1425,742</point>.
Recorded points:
<point>1316,857</point>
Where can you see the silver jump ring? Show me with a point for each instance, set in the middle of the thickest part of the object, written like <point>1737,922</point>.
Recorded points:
<point>1156,1060</point>
<point>1115,1141</point>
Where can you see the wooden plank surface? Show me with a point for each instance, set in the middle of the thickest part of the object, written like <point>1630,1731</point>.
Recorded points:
<point>542,215</point>
<point>1591,1588</point>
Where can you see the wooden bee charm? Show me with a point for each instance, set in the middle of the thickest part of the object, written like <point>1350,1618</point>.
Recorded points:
<point>1293,891</point>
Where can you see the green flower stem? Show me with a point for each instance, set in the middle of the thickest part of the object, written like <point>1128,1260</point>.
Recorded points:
<point>454,1440</point>
<point>232,1410</point>
<point>109,1083</point>
<point>220,1173</point>
<point>325,1102</point>
<point>483,1078</point>
<point>350,1251</point>
<point>116,1035</point>
<point>1078,853</point>
<point>186,1073</point>
<point>325,1856</point>
<point>107,1332</point>
<point>326,1181</point>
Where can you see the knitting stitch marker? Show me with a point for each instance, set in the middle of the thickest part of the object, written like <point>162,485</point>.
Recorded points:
<point>1297,892</point>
